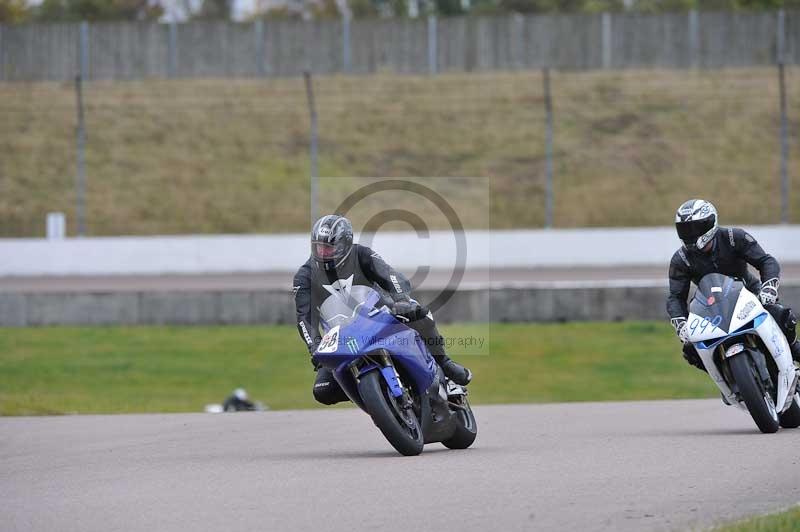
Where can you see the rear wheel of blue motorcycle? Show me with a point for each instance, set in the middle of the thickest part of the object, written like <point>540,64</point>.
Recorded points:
<point>790,419</point>
<point>397,423</point>
<point>467,428</point>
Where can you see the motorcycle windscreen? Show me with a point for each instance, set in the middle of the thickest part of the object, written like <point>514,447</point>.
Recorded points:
<point>343,305</point>
<point>716,298</point>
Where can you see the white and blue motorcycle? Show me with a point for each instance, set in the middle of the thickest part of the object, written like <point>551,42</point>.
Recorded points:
<point>745,352</point>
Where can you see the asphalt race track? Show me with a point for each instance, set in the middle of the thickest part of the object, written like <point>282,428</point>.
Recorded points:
<point>669,465</point>
<point>495,277</point>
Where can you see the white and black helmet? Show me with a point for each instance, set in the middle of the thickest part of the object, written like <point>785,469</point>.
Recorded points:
<point>696,222</point>
<point>331,241</point>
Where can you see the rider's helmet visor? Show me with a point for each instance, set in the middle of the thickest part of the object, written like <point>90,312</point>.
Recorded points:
<point>691,230</point>
<point>323,251</point>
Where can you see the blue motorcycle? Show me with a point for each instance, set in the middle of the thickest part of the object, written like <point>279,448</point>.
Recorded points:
<point>385,368</point>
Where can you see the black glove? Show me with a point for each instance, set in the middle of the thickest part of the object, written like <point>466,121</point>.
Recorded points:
<point>691,356</point>
<point>408,310</point>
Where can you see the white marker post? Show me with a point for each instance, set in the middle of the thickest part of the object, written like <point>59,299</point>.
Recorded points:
<point>56,226</point>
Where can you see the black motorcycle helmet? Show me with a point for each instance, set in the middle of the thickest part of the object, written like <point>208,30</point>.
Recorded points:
<point>696,223</point>
<point>331,241</point>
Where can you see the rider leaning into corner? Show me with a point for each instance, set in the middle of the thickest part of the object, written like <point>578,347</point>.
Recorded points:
<point>709,248</point>
<point>340,274</point>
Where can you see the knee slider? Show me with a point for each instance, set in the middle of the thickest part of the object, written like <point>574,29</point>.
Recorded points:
<point>325,393</point>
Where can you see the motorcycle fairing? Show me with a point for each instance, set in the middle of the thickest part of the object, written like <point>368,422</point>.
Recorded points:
<point>737,312</point>
<point>716,298</point>
<point>370,330</point>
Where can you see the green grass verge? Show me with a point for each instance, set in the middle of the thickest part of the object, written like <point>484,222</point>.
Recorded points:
<point>173,369</point>
<point>788,521</point>
<point>231,156</point>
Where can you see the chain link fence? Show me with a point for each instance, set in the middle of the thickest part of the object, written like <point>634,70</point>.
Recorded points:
<point>232,156</point>
<point>208,49</point>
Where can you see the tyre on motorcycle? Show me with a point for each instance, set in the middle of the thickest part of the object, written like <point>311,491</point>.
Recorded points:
<point>790,418</point>
<point>755,398</point>
<point>398,424</point>
<point>466,426</point>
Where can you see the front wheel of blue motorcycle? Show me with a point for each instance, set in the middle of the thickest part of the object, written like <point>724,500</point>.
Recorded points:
<point>397,421</point>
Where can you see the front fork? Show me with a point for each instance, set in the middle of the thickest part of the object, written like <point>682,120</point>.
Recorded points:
<point>720,374</point>
<point>383,362</point>
<point>783,387</point>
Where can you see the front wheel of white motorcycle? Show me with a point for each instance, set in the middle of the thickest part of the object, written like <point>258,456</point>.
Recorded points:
<point>790,419</point>
<point>759,402</point>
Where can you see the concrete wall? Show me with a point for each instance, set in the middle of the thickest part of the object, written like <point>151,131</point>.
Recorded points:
<point>406,251</point>
<point>260,307</point>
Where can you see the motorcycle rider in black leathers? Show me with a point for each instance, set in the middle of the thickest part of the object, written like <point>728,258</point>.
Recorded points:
<point>338,275</point>
<point>709,248</point>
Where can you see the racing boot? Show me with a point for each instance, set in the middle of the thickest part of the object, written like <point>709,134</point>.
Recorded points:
<point>454,371</point>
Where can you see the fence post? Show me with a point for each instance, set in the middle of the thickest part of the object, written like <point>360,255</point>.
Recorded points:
<point>172,50</point>
<point>548,183</point>
<point>259,37</point>
<point>606,37</point>
<point>309,39</point>
<point>518,61</point>
<point>780,59</point>
<point>83,50</point>
<point>313,144</point>
<point>432,46</point>
<point>80,178</point>
<point>346,43</point>
<point>413,8</point>
<point>694,38</point>
<point>2,56</point>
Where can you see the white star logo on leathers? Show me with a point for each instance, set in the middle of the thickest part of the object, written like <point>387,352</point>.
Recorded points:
<point>341,287</point>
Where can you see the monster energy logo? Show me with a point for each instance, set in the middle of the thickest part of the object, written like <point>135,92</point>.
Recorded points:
<point>352,345</point>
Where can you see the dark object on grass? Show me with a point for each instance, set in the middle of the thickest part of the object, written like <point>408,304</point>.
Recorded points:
<point>239,401</point>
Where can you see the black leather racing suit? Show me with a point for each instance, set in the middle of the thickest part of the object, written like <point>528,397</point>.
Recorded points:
<point>733,249</point>
<point>319,293</point>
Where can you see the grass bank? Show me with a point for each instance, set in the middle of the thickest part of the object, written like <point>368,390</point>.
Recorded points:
<point>788,521</point>
<point>231,156</point>
<point>171,369</point>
